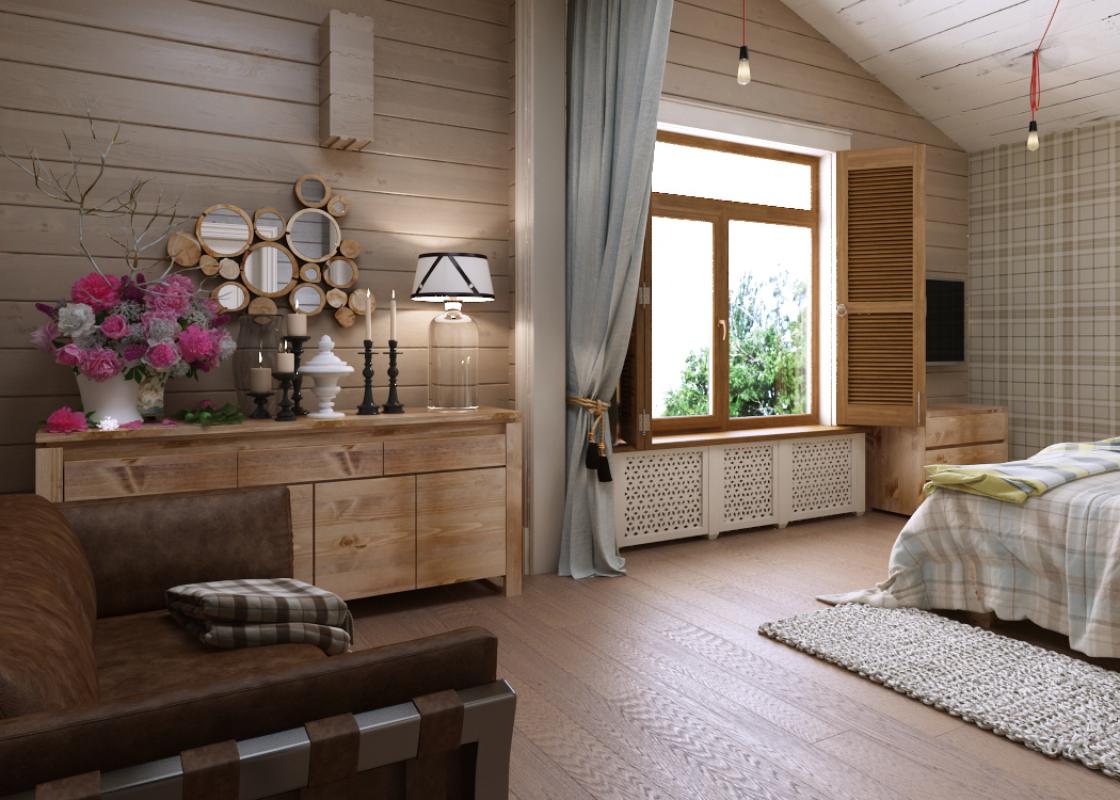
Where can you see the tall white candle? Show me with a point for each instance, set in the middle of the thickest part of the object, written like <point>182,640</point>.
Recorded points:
<point>369,317</point>
<point>297,324</point>
<point>393,316</point>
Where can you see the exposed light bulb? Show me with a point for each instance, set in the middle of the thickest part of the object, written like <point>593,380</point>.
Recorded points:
<point>1032,136</point>
<point>743,76</point>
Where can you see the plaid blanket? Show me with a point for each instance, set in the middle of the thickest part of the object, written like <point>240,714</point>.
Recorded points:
<point>1015,481</point>
<point>251,613</point>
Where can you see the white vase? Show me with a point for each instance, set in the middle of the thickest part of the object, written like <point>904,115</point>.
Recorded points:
<point>116,398</point>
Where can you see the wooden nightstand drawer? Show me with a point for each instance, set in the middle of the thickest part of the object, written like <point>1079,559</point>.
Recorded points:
<point>950,430</point>
<point>156,474</point>
<point>993,453</point>
<point>266,466</point>
<point>440,455</point>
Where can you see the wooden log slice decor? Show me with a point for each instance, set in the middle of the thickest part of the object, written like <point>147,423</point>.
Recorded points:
<point>350,248</point>
<point>183,249</point>
<point>338,206</point>
<point>336,298</point>
<point>229,269</point>
<point>344,317</point>
<point>209,265</point>
<point>357,301</point>
<point>310,273</point>
<point>265,306</point>
<point>313,191</point>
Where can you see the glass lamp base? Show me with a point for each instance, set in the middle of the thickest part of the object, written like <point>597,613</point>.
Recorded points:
<point>452,361</point>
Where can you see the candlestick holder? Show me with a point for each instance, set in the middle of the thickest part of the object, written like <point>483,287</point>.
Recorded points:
<point>286,414</point>
<point>393,405</point>
<point>261,399</point>
<point>296,343</point>
<point>368,407</point>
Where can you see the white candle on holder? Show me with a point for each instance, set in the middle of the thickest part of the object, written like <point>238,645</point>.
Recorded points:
<point>297,324</point>
<point>393,316</point>
<point>369,316</point>
<point>260,380</point>
<point>285,363</point>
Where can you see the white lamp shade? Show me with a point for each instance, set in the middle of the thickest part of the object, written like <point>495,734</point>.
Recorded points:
<point>452,276</point>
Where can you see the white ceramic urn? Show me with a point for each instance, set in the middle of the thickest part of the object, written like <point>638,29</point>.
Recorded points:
<point>326,369</point>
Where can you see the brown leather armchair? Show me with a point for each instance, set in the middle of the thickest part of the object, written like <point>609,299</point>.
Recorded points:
<point>100,691</point>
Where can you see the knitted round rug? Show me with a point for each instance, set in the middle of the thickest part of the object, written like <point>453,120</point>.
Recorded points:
<point>1047,701</point>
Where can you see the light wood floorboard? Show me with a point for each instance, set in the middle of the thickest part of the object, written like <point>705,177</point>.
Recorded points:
<point>657,685</point>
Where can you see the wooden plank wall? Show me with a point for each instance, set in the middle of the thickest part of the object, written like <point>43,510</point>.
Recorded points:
<point>798,74</point>
<point>218,103</point>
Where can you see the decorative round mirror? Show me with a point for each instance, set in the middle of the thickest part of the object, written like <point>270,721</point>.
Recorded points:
<point>230,296</point>
<point>307,298</point>
<point>310,273</point>
<point>224,230</point>
<point>313,191</point>
<point>269,269</point>
<point>341,273</point>
<point>269,224</point>
<point>313,235</point>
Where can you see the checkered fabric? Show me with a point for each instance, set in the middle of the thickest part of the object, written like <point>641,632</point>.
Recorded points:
<point>250,613</point>
<point>1054,560</point>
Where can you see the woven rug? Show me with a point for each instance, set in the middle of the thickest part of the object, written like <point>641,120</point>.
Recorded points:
<point>1047,701</point>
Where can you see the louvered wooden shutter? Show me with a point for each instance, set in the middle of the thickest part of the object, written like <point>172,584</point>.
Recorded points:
<point>880,287</point>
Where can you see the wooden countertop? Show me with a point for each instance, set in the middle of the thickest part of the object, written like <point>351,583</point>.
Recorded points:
<point>250,427</point>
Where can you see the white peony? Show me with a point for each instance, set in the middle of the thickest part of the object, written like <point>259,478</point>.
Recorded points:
<point>108,424</point>
<point>75,320</point>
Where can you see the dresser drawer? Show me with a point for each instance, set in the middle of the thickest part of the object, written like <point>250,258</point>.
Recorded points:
<point>438,455</point>
<point>272,465</point>
<point>158,474</point>
<point>994,453</point>
<point>956,429</point>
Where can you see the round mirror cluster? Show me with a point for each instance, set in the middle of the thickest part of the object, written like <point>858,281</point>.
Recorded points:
<point>266,260</point>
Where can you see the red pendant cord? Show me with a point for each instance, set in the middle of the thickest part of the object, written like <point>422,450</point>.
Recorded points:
<point>1036,80</point>
<point>744,22</point>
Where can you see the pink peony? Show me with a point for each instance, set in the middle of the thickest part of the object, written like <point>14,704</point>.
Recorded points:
<point>66,420</point>
<point>43,337</point>
<point>134,352</point>
<point>101,292</point>
<point>162,356</point>
<point>115,327</point>
<point>99,363</point>
<point>196,345</point>
<point>171,295</point>
<point>131,426</point>
<point>68,355</point>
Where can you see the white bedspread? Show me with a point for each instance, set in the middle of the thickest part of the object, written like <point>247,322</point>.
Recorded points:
<point>1054,560</point>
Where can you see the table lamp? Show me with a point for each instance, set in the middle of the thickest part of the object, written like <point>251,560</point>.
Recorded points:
<point>452,279</point>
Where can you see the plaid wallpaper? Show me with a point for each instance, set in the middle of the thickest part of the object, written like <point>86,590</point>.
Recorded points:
<point>1044,286</point>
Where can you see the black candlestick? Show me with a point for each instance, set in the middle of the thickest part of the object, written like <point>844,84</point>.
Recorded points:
<point>286,414</point>
<point>261,399</point>
<point>393,405</point>
<point>296,343</point>
<point>368,406</point>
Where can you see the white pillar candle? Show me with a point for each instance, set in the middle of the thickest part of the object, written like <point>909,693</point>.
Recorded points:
<point>369,317</point>
<point>393,316</point>
<point>285,362</point>
<point>260,380</point>
<point>297,324</point>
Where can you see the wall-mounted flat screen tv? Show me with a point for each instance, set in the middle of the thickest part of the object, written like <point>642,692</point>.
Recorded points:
<point>944,322</point>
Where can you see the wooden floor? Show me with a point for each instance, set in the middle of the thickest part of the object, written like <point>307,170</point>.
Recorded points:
<point>656,685</point>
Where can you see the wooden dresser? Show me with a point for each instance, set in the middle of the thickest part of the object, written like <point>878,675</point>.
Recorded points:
<point>379,504</point>
<point>953,434</point>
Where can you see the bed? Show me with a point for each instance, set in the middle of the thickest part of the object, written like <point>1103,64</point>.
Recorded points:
<point>1053,560</point>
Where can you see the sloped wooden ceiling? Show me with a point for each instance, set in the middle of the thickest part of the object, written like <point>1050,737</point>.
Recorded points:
<point>965,64</point>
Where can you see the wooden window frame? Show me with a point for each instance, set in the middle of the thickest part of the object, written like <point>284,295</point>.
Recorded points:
<point>721,213</point>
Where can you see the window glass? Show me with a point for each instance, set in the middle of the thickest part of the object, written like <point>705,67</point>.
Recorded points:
<point>719,175</point>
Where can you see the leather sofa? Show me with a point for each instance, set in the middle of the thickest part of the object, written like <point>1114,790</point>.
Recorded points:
<point>95,679</point>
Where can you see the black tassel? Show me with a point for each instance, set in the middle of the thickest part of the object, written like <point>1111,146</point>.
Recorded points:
<point>592,458</point>
<point>604,469</point>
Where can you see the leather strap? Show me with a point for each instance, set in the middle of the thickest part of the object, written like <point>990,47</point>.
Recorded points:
<point>86,786</point>
<point>334,749</point>
<point>212,772</point>
<point>441,728</point>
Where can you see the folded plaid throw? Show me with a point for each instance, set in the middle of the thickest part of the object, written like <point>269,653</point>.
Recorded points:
<point>250,613</point>
<point>1015,481</point>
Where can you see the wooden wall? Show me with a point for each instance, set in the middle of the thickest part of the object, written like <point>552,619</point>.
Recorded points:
<point>218,103</point>
<point>800,75</point>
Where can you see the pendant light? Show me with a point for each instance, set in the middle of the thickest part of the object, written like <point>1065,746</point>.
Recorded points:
<point>743,75</point>
<point>1036,85</point>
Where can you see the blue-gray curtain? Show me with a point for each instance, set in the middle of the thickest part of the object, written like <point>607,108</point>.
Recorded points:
<point>617,61</point>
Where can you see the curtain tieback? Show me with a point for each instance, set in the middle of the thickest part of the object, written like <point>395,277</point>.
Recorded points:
<point>596,457</point>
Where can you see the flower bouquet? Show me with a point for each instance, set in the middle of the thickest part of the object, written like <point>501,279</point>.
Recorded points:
<point>125,337</point>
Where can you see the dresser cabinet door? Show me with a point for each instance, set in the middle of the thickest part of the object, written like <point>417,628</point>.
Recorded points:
<point>460,526</point>
<point>365,536</point>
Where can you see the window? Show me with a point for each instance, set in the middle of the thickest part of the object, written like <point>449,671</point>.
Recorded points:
<point>727,339</point>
